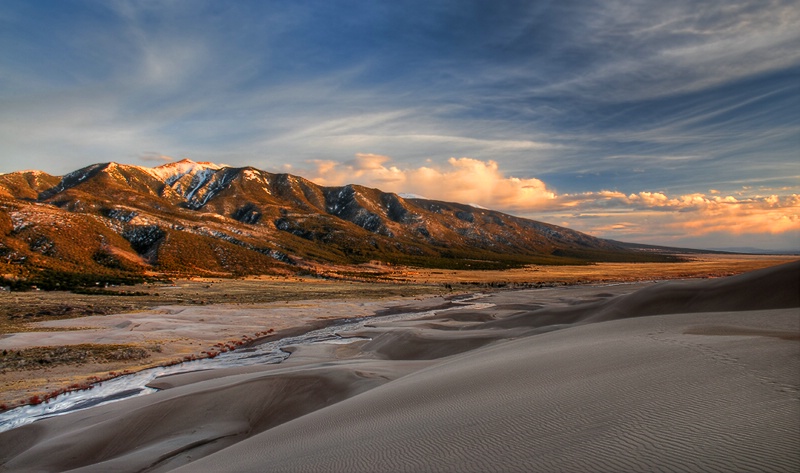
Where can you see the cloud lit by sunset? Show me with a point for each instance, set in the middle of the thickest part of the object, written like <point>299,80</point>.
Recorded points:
<point>643,214</point>
<point>649,121</point>
<point>460,180</point>
<point>649,216</point>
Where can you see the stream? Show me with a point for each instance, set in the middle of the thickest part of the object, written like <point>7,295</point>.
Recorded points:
<point>271,352</point>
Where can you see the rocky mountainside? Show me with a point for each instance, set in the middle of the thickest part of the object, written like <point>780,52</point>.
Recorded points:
<point>204,219</point>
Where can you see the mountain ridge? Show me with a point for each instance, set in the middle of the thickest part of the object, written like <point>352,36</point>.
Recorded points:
<point>201,218</point>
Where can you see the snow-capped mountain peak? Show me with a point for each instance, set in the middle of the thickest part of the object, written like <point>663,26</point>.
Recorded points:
<point>171,172</point>
<point>203,218</point>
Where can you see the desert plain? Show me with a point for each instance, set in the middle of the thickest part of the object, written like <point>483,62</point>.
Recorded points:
<point>690,366</point>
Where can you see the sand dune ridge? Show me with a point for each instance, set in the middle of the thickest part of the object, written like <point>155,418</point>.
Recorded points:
<point>700,375</point>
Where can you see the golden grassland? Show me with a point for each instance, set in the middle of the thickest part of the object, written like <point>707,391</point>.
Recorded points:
<point>697,266</point>
<point>35,372</point>
<point>20,310</point>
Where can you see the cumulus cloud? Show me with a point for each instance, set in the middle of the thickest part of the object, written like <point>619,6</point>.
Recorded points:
<point>703,213</point>
<point>641,216</point>
<point>658,217</point>
<point>463,179</point>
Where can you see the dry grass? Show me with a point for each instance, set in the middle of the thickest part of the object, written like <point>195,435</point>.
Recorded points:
<point>698,266</point>
<point>19,311</point>
<point>37,358</point>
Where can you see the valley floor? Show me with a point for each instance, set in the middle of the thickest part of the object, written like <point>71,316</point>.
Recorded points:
<point>684,375</point>
<point>52,340</point>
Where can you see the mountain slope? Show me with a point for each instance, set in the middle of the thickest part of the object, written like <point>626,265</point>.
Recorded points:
<point>202,218</point>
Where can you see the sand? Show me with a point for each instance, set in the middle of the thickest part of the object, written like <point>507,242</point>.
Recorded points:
<point>699,375</point>
<point>171,333</point>
<point>168,323</point>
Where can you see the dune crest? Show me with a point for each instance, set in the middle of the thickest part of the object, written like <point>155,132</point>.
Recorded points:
<point>682,376</point>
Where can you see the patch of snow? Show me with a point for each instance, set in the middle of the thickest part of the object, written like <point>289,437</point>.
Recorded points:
<point>123,215</point>
<point>171,172</point>
<point>200,180</point>
<point>250,175</point>
<point>412,196</point>
<point>211,183</point>
<point>19,221</point>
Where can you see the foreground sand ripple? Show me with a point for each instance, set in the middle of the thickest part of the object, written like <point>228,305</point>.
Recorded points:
<point>679,383</point>
<point>610,397</point>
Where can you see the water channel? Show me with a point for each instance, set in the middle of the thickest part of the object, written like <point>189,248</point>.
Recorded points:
<point>271,352</point>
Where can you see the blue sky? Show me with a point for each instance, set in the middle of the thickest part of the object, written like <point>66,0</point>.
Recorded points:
<point>662,122</point>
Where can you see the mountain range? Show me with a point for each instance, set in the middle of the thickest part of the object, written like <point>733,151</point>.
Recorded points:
<point>200,218</point>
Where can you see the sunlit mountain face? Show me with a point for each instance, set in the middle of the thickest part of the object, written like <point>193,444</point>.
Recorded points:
<point>649,121</point>
<point>201,218</point>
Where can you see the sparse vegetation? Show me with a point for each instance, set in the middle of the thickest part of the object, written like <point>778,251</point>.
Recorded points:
<point>52,280</point>
<point>18,310</point>
<point>42,357</point>
<point>112,224</point>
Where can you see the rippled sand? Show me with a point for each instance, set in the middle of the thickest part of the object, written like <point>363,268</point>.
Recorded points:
<point>700,375</point>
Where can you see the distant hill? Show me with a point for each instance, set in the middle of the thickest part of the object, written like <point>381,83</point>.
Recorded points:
<point>198,218</point>
<point>757,251</point>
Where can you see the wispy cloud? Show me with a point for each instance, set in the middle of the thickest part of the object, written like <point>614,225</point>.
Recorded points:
<point>153,157</point>
<point>648,96</point>
<point>643,50</point>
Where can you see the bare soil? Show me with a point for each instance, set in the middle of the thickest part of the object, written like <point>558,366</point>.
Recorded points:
<point>25,373</point>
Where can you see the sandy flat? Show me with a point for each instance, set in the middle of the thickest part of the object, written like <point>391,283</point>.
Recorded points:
<point>199,323</point>
<point>171,333</point>
<point>700,375</point>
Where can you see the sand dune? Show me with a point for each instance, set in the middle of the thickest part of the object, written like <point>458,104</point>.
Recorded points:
<point>776,287</point>
<point>623,396</point>
<point>683,376</point>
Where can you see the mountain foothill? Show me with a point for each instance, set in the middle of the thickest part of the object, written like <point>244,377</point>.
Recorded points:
<point>112,222</point>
